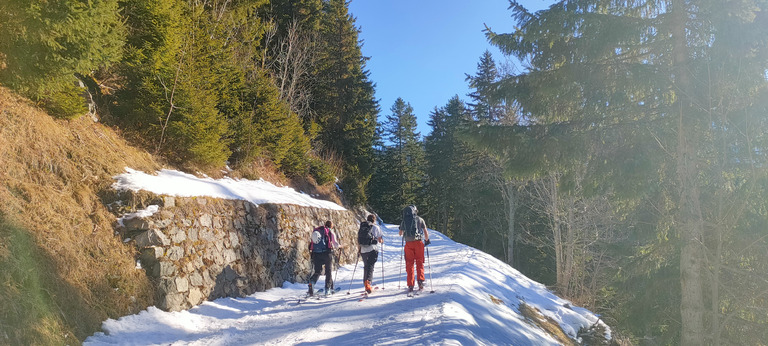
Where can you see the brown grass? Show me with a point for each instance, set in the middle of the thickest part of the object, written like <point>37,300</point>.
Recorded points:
<point>535,317</point>
<point>62,269</point>
<point>260,169</point>
<point>53,176</point>
<point>495,300</point>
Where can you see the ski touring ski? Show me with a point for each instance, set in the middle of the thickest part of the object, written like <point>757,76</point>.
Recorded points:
<point>318,295</point>
<point>365,294</point>
<point>416,292</point>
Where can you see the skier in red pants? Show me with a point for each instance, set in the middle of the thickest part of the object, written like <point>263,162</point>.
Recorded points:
<point>413,229</point>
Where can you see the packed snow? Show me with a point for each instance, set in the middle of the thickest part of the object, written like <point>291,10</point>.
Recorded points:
<point>175,183</point>
<point>476,300</point>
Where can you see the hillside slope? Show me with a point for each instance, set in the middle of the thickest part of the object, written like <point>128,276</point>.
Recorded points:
<point>478,300</point>
<point>62,270</point>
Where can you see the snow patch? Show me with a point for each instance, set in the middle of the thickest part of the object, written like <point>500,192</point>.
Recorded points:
<point>175,183</point>
<point>476,301</point>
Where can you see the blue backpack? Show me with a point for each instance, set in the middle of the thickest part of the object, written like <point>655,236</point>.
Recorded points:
<point>320,240</point>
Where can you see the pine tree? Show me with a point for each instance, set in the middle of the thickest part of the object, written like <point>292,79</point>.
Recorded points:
<point>439,152</point>
<point>401,173</point>
<point>272,131</point>
<point>175,64</point>
<point>490,107</point>
<point>44,45</point>
<point>647,94</point>
<point>306,13</point>
<point>343,99</point>
<point>486,108</point>
<point>464,200</point>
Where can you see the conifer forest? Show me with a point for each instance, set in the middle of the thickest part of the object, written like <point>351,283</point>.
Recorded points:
<point>623,162</point>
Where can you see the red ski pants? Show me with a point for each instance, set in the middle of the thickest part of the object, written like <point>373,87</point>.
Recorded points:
<point>414,252</point>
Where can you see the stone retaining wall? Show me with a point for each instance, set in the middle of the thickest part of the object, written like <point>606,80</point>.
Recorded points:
<point>200,248</point>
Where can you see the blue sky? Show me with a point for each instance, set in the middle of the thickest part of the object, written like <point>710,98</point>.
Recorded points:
<point>420,50</point>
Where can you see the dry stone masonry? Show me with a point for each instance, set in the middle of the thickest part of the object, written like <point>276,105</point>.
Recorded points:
<point>199,248</point>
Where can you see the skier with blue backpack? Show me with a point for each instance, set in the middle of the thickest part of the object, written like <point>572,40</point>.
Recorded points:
<point>413,229</point>
<point>322,243</point>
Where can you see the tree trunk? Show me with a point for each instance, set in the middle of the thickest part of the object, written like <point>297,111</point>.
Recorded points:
<point>569,250</point>
<point>692,305</point>
<point>557,232</point>
<point>691,255</point>
<point>512,204</point>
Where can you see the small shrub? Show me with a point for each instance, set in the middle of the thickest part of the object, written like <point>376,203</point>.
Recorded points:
<point>65,101</point>
<point>321,171</point>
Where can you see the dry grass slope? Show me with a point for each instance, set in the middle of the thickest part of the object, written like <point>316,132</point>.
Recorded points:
<point>535,317</point>
<point>62,269</point>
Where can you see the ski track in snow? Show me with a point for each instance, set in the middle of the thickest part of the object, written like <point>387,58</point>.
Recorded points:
<point>461,311</point>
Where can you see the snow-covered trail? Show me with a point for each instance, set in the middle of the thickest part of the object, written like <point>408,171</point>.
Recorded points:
<point>461,311</point>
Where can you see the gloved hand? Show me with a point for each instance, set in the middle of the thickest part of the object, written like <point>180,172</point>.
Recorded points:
<point>427,242</point>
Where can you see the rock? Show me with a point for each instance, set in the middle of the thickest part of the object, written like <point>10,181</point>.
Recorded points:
<point>149,255</point>
<point>175,253</point>
<point>207,235</point>
<point>172,302</point>
<point>135,224</point>
<point>163,223</point>
<point>167,286</point>
<point>229,256</point>
<point>151,237</point>
<point>233,239</point>
<point>205,220</point>
<point>213,248</point>
<point>195,279</point>
<point>192,234</point>
<point>182,284</point>
<point>164,269</point>
<point>177,235</point>
<point>194,297</point>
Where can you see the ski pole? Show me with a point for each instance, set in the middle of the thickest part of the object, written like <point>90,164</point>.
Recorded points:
<point>338,264</point>
<point>400,276</point>
<point>382,265</point>
<point>430,272</point>
<point>357,259</point>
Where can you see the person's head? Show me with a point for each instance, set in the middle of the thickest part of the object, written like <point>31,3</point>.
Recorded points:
<point>371,218</point>
<point>329,224</point>
<point>415,211</point>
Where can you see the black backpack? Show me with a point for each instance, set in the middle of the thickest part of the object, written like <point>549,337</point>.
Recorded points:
<point>411,222</point>
<point>365,234</point>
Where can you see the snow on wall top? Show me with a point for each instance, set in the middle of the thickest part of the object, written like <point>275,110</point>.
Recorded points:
<point>175,183</point>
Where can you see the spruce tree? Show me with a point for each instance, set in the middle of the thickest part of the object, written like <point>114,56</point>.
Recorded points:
<point>647,94</point>
<point>45,44</point>
<point>343,99</point>
<point>272,131</point>
<point>490,107</point>
<point>400,177</point>
<point>486,108</point>
<point>464,199</point>
<point>172,93</point>
<point>439,152</point>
